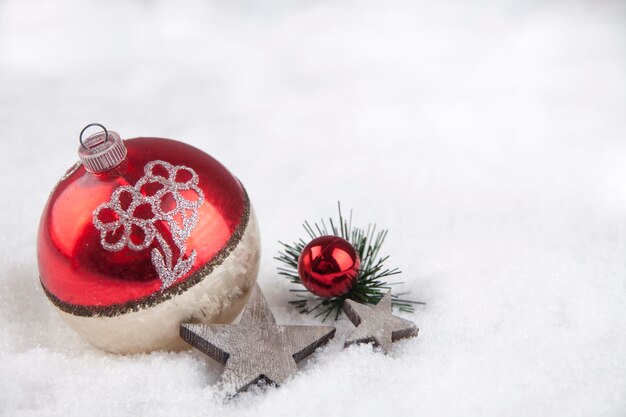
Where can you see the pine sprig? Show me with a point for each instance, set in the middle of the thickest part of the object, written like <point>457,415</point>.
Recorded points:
<point>370,285</point>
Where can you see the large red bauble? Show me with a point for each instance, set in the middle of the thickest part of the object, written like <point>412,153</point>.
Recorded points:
<point>167,235</point>
<point>329,266</point>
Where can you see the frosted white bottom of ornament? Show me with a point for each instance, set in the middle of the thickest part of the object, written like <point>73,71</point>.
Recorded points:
<point>218,298</point>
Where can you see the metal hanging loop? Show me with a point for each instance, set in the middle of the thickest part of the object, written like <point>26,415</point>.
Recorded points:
<point>82,132</point>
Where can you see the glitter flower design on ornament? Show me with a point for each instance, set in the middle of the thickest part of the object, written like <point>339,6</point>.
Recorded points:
<point>167,194</point>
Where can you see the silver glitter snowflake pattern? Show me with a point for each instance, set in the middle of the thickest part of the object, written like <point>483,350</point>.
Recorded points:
<point>166,193</point>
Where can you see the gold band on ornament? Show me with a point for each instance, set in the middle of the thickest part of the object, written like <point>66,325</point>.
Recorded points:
<point>163,295</point>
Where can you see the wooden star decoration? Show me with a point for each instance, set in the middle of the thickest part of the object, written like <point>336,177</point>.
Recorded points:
<point>256,349</point>
<point>377,324</point>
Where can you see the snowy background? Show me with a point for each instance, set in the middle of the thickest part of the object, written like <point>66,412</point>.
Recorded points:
<point>489,137</point>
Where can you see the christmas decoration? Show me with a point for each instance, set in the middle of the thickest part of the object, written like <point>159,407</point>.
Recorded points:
<point>377,324</point>
<point>257,349</point>
<point>318,266</point>
<point>141,235</point>
<point>328,266</point>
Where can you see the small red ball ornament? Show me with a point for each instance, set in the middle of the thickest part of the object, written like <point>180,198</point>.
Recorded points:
<point>141,235</point>
<point>329,266</point>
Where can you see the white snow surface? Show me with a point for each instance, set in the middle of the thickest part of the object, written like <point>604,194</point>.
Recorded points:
<point>488,137</point>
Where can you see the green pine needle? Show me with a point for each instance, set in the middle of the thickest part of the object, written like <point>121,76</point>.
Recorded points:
<point>371,283</point>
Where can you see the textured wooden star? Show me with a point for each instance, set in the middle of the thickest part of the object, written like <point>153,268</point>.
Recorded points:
<point>377,324</point>
<point>256,349</point>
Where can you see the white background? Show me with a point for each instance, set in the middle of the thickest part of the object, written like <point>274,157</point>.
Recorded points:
<point>488,137</point>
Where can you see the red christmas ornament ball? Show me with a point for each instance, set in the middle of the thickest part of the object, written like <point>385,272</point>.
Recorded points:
<point>329,266</point>
<point>144,234</point>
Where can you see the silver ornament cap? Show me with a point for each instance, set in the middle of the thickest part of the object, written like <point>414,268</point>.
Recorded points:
<point>101,151</point>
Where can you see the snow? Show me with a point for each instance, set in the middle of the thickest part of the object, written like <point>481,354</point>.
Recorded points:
<point>488,137</point>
